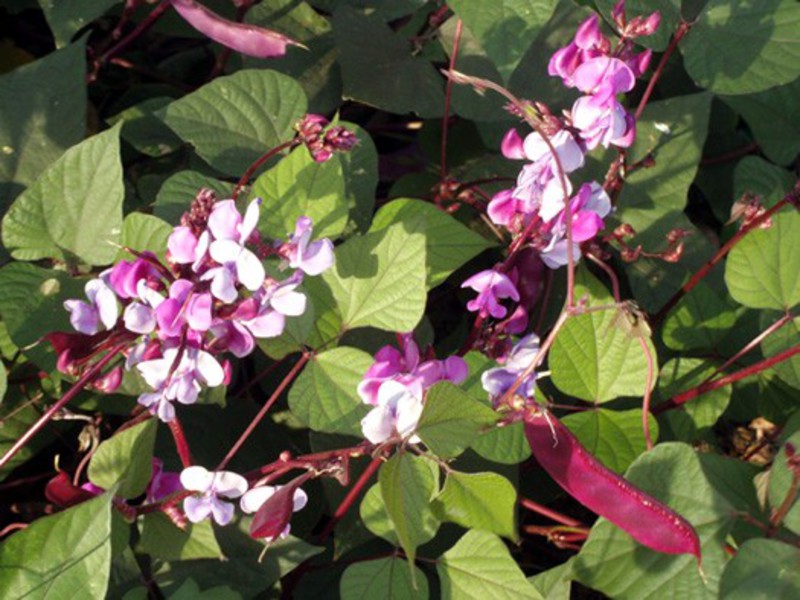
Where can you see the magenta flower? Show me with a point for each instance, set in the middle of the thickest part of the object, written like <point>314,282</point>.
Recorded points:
<point>254,499</point>
<point>492,286</point>
<point>213,489</point>
<point>101,308</point>
<point>310,257</point>
<point>396,414</point>
<point>183,307</point>
<point>162,483</point>
<point>273,304</point>
<point>589,43</point>
<point>125,276</point>
<point>602,122</point>
<point>604,75</point>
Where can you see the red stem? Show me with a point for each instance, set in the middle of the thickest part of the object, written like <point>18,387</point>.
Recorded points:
<point>84,380</point>
<point>682,30</point>
<point>708,386</point>
<point>180,442</point>
<point>264,410</point>
<point>260,161</point>
<point>148,22</point>
<point>351,496</point>
<point>448,93</point>
<point>550,513</point>
<point>792,197</point>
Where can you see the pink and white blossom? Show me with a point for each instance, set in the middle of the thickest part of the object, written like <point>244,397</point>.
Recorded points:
<point>492,287</point>
<point>213,489</point>
<point>86,317</point>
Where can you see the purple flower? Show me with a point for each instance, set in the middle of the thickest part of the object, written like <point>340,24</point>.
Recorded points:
<point>273,303</point>
<point>498,381</point>
<point>101,308</point>
<point>182,383</point>
<point>492,286</point>
<point>605,76</point>
<point>125,276</point>
<point>253,499</point>
<point>183,306</point>
<point>162,483</point>
<point>310,257</point>
<point>140,317</point>
<point>397,413</point>
<point>602,122</point>
<point>589,43</point>
<point>212,487</point>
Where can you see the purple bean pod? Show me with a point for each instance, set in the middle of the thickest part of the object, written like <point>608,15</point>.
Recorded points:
<point>274,515</point>
<point>246,39</point>
<point>602,491</point>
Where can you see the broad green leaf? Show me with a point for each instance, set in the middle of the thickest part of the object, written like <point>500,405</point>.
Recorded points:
<point>375,516</point>
<point>681,374</point>
<point>42,113</point>
<point>615,438</point>
<point>324,396</point>
<point>555,583</point>
<point>744,47</point>
<point>782,339</point>
<point>177,193</point>
<point>774,118</point>
<point>189,590</point>
<point>504,28</point>
<point>293,337</point>
<point>74,210</point>
<point>485,501</point>
<point>596,357</point>
<point>700,320</point>
<point>755,175</point>
<point>762,570</point>
<point>299,186</point>
<point>66,555</point>
<point>143,130</point>
<point>780,484</point>
<point>379,278</point>
<point>235,119</point>
<point>313,67</point>
<point>505,445</point>
<point>32,302</point>
<point>142,232</point>
<point>67,17</point>
<point>479,567</point>
<point>162,539</point>
<point>408,484</point>
<point>613,563</point>
<point>360,168</point>
<point>125,460</point>
<point>448,243</point>
<point>652,201</point>
<point>383,578</point>
<point>451,420</point>
<point>379,69</point>
<point>761,270</point>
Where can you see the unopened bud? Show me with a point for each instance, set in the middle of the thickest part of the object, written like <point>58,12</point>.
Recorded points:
<point>673,255</point>
<point>624,231</point>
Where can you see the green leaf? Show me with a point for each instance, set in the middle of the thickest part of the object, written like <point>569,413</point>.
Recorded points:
<point>744,48</point>
<point>67,17</point>
<point>162,539</point>
<point>189,590</point>
<point>596,358</point>
<point>375,516</point>
<point>448,243</point>
<point>142,232</point>
<point>235,119</point>
<point>652,201</point>
<point>294,335</point>
<point>774,118</point>
<point>379,69</point>
<point>761,270</point>
<point>615,438</point>
<point>125,460</point>
<point>681,374</point>
<point>408,484</point>
<point>780,340</point>
<point>42,113</point>
<point>379,278</point>
<point>479,567</point>
<point>780,484</point>
<point>755,175</point>
<point>325,398</point>
<point>17,414</point>
<point>485,501</point>
<point>613,563</point>
<point>66,555</point>
<point>3,382</point>
<point>300,186</point>
<point>504,28</point>
<point>360,168</point>
<point>177,193</point>
<point>143,130</point>
<point>505,445</point>
<point>451,420</point>
<point>74,209</point>
<point>383,578</point>
<point>762,570</point>
<point>700,320</point>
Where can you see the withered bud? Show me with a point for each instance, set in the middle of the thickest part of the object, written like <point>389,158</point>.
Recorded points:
<point>200,209</point>
<point>624,231</point>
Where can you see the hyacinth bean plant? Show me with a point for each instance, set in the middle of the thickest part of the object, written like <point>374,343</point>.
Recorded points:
<point>408,299</point>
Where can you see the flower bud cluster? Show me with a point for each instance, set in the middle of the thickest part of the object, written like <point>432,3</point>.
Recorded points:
<point>212,296</point>
<point>322,139</point>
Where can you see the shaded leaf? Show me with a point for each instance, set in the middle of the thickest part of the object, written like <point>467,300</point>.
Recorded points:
<point>383,578</point>
<point>125,460</point>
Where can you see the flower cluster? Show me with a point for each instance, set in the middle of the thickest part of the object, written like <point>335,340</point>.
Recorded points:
<point>212,296</point>
<point>213,490</point>
<point>322,139</point>
<point>395,386</point>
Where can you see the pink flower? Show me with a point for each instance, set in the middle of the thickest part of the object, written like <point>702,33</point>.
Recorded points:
<point>602,122</point>
<point>589,43</point>
<point>310,257</point>
<point>101,308</point>
<point>213,489</point>
<point>396,414</point>
<point>492,286</point>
